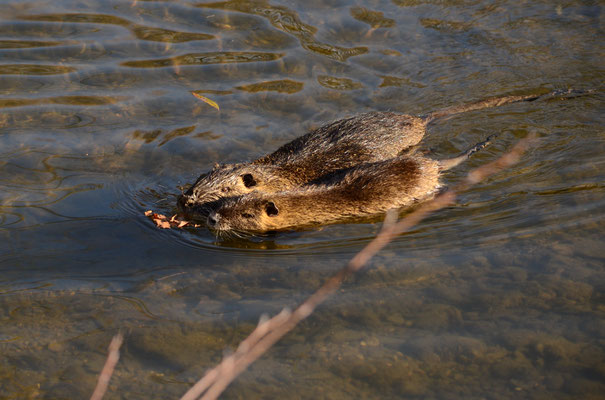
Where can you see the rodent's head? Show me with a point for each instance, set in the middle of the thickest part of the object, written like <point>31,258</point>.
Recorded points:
<point>228,180</point>
<point>246,214</point>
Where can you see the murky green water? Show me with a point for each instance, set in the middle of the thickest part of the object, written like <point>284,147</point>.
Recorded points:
<point>500,296</point>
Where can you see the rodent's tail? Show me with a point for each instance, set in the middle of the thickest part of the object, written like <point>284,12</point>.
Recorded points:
<point>500,101</point>
<point>444,165</point>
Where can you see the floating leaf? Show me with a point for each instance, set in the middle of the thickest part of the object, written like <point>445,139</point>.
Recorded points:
<point>164,222</point>
<point>206,100</point>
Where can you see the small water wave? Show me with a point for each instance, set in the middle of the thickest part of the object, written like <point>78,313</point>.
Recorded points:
<point>484,218</point>
<point>51,116</point>
<point>34,69</point>
<point>216,57</point>
<point>141,32</point>
<point>61,33</point>
<point>73,100</point>
<point>111,79</point>
<point>280,86</point>
<point>336,83</point>
<point>26,44</point>
<point>8,218</point>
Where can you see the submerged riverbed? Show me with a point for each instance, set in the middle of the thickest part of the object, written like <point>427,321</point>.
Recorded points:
<point>498,296</point>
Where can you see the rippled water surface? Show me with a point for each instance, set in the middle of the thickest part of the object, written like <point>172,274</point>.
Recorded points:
<point>498,296</point>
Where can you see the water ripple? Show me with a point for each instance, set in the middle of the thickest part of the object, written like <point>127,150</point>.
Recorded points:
<point>333,82</point>
<point>34,69</point>
<point>87,101</point>
<point>281,86</point>
<point>142,32</point>
<point>215,57</point>
<point>26,44</point>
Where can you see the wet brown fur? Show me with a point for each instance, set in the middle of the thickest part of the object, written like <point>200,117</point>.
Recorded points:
<point>368,137</point>
<point>361,191</point>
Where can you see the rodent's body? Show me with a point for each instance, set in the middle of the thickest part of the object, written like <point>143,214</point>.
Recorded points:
<point>361,191</point>
<point>336,146</point>
<point>342,144</point>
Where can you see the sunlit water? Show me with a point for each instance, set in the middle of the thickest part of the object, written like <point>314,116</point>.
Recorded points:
<point>498,296</point>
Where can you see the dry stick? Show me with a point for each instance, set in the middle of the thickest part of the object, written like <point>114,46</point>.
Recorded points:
<point>269,332</point>
<point>261,330</point>
<point>110,364</point>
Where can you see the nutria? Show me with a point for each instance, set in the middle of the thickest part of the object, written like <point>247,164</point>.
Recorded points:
<point>339,145</point>
<point>361,191</point>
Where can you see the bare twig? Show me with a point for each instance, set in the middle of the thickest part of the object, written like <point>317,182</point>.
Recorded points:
<point>270,331</point>
<point>264,326</point>
<point>110,363</point>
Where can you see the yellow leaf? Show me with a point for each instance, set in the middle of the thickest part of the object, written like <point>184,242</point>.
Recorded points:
<point>206,100</point>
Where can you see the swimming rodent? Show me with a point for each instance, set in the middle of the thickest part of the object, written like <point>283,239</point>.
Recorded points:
<point>339,145</point>
<point>361,191</point>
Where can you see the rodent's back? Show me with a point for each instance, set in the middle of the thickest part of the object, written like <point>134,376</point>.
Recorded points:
<point>368,137</point>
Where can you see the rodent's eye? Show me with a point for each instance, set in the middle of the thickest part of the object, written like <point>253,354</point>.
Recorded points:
<point>271,209</point>
<point>226,189</point>
<point>246,215</point>
<point>248,180</point>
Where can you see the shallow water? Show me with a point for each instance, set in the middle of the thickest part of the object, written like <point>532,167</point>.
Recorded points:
<point>499,296</point>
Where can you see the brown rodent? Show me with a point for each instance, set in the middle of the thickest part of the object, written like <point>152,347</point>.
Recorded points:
<point>364,190</point>
<point>342,144</point>
<point>339,145</point>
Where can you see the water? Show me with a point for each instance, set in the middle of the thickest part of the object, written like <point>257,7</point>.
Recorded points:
<point>499,296</point>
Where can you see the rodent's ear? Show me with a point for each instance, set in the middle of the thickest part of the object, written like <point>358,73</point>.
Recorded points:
<point>248,180</point>
<point>271,209</point>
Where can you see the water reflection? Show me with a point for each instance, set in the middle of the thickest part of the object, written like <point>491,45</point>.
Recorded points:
<point>281,86</point>
<point>142,32</point>
<point>34,69</point>
<point>205,59</point>
<point>25,44</point>
<point>65,100</point>
<point>375,19</point>
<point>332,82</point>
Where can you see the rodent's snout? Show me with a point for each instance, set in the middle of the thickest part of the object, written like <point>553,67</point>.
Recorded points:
<point>215,222</point>
<point>212,220</point>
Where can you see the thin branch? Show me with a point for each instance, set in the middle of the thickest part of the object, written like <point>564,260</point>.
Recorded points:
<point>270,331</point>
<point>110,364</point>
<point>264,326</point>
